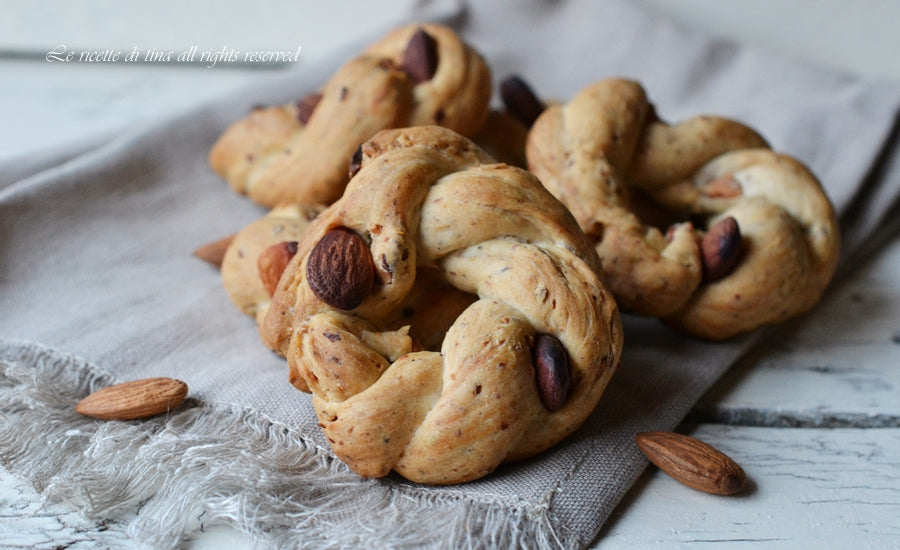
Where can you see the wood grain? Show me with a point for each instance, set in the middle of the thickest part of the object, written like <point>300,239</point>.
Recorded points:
<point>806,488</point>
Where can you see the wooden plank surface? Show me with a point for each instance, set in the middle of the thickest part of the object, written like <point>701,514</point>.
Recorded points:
<point>808,488</point>
<point>840,366</point>
<point>815,423</point>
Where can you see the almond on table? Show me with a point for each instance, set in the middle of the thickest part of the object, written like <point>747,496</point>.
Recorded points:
<point>692,462</point>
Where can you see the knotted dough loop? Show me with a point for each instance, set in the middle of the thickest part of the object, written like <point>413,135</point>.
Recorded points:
<point>790,236</point>
<point>429,203</point>
<point>300,153</point>
<point>605,149</point>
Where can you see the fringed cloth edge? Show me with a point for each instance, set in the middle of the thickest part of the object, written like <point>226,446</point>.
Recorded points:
<point>152,480</point>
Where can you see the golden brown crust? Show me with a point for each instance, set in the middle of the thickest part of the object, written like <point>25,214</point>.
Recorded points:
<point>791,242</point>
<point>427,199</point>
<point>604,146</point>
<point>275,160</point>
<point>249,141</point>
<point>581,152</point>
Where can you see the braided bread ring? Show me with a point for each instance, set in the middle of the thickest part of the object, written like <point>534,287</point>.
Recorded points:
<point>426,200</point>
<point>274,159</point>
<point>583,152</point>
<point>592,152</point>
<point>790,235</point>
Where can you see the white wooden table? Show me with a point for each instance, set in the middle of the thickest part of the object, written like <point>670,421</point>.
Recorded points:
<point>815,424</point>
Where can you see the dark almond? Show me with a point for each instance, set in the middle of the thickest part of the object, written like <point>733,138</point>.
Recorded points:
<point>720,249</point>
<point>214,252</point>
<point>551,363</point>
<point>272,262</point>
<point>135,399</point>
<point>356,161</point>
<point>340,270</point>
<point>306,106</point>
<point>420,59</point>
<point>692,462</point>
<point>520,100</point>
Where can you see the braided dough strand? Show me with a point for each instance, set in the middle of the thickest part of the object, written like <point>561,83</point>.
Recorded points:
<point>582,152</point>
<point>790,236</point>
<point>427,199</point>
<point>457,96</point>
<point>275,159</point>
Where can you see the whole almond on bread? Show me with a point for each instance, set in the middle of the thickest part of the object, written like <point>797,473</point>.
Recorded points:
<point>132,400</point>
<point>272,261</point>
<point>692,462</point>
<point>340,269</point>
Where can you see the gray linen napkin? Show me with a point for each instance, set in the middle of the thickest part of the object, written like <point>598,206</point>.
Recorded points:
<point>99,285</point>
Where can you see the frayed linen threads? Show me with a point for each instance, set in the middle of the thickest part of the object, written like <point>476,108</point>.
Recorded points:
<point>158,480</point>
